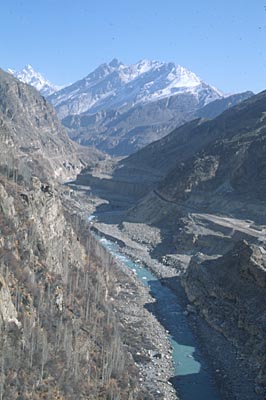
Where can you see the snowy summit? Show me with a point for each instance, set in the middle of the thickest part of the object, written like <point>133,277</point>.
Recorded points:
<point>114,85</point>
<point>33,78</point>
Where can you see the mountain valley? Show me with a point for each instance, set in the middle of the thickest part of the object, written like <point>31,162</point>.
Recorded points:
<point>191,207</point>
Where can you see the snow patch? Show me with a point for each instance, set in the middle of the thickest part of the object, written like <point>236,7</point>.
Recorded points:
<point>116,84</point>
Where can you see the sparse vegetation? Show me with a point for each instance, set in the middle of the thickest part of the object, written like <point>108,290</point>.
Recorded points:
<point>64,341</point>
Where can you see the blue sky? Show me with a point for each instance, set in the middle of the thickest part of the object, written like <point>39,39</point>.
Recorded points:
<point>224,41</point>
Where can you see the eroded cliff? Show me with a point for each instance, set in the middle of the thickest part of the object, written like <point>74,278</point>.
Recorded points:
<point>229,292</point>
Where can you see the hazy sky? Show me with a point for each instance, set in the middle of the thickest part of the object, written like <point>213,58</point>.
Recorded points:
<point>224,42</point>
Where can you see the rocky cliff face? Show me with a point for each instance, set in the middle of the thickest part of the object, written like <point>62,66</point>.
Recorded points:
<point>32,136</point>
<point>229,293</point>
<point>8,311</point>
<point>51,314</point>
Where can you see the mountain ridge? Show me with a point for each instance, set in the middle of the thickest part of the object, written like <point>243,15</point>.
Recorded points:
<point>115,85</point>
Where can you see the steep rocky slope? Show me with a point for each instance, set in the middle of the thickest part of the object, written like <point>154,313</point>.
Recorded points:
<point>125,130</point>
<point>217,107</point>
<point>230,167</point>
<point>59,337</point>
<point>33,135</point>
<point>35,79</point>
<point>62,298</point>
<point>230,293</point>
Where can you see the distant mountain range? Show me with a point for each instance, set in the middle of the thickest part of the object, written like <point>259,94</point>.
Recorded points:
<point>121,108</point>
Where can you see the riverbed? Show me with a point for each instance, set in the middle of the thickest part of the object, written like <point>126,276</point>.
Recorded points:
<point>192,379</point>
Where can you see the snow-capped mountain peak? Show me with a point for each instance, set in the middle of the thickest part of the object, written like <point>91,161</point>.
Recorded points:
<point>113,85</point>
<point>34,78</point>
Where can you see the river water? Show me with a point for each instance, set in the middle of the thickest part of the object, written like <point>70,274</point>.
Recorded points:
<point>192,380</point>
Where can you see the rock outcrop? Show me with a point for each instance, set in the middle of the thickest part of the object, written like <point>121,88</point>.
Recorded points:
<point>229,292</point>
<point>32,136</point>
<point>8,312</point>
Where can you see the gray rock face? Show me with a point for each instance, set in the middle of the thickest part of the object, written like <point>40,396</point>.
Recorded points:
<point>7,203</point>
<point>230,166</point>
<point>230,293</point>
<point>32,134</point>
<point>8,312</point>
<point>35,79</point>
<point>216,107</point>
